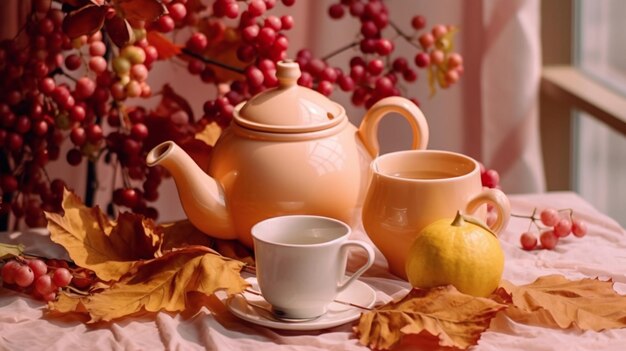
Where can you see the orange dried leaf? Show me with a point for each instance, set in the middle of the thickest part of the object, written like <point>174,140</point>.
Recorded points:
<point>554,301</point>
<point>182,233</point>
<point>163,283</point>
<point>455,318</point>
<point>84,21</point>
<point>165,47</point>
<point>142,10</point>
<point>93,241</point>
<point>210,133</point>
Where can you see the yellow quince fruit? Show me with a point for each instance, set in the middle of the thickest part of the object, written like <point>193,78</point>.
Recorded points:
<point>460,251</point>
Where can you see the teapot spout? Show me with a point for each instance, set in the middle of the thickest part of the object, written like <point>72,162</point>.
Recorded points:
<point>201,196</point>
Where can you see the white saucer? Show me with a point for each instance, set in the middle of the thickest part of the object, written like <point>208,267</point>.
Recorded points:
<point>357,293</point>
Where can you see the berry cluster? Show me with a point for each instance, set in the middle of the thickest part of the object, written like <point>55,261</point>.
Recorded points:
<point>374,73</point>
<point>70,76</point>
<point>42,279</point>
<point>556,226</point>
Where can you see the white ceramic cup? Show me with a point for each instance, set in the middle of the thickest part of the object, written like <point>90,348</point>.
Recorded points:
<point>301,263</point>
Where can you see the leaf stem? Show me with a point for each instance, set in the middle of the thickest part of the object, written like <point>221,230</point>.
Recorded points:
<point>210,61</point>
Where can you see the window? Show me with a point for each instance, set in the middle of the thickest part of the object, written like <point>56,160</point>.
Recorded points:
<point>585,71</point>
<point>600,152</point>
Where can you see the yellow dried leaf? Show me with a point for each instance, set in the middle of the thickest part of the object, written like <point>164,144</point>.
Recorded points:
<point>554,301</point>
<point>67,303</point>
<point>93,241</point>
<point>163,283</point>
<point>455,318</point>
<point>8,250</point>
<point>159,284</point>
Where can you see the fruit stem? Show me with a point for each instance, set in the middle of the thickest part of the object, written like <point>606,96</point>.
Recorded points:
<point>458,220</point>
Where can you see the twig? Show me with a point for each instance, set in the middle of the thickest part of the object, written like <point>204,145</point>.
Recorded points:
<point>188,52</point>
<point>404,35</point>
<point>340,50</point>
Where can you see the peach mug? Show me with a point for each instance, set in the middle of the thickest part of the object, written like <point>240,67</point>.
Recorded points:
<point>411,189</point>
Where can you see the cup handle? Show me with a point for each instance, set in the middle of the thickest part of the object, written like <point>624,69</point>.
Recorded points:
<point>370,260</point>
<point>499,200</point>
<point>368,130</point>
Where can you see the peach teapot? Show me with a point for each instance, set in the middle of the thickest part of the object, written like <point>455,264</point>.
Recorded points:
<point>289,150</point>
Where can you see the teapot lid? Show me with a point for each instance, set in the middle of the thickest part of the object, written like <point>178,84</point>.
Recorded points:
<point>288,108</point>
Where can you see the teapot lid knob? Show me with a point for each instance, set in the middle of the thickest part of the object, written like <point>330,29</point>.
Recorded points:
<point>287,72</point>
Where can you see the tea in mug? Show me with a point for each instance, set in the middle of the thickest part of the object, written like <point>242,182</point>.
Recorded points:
<point>425,174</point>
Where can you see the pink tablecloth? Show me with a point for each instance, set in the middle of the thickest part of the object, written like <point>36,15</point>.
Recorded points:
<point>602,253</point>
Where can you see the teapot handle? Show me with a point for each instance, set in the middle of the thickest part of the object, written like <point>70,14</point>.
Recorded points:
<point>368,130</point>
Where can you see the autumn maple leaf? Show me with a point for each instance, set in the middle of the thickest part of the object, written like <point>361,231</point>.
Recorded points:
<point>116,16</point>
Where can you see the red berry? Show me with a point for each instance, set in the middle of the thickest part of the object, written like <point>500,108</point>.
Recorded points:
<point>44,285</point>
<point>257,8</point>
<point>384,47</point>
<point>78,136</point>
<point>549,217</point>
<point>72,62</point>
<point>418,22</point>
<point>61,277</point>
<point>422,60</point>
<point>38,266</point>
<point>528,241</point>
<point>177,11</point>
<point>165,24</point>
<point>490,178</point>
<point>336,11</point>
<point>130,198</point>
<point>254,76</point>
<point>197,42</point>
<point>139,131</point>
<point>8,272</point>
<point>24,276</point>
<point>579,228</point>
<point>325,87</point>
<point>286,22</point>
<point>549,239</point>
<point>375,67</point>
<point>74,157</point>
<point>8,183</point>
<point>563,227</point>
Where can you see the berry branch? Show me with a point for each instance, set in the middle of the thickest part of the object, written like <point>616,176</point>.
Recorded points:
<point>554,227</point>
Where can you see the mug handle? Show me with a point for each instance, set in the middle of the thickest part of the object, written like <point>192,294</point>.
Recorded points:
<point>500,202</point>
<point>370,260</point>
<point>368,130</point>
